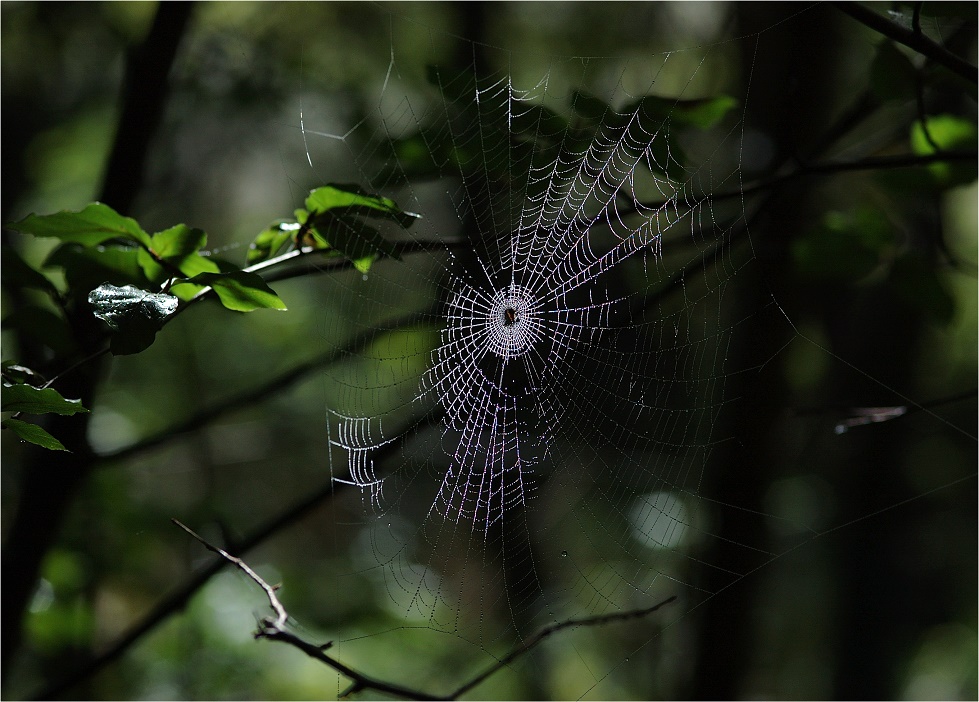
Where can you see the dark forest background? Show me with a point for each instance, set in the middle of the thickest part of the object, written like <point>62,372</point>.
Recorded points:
<point>866,236</point>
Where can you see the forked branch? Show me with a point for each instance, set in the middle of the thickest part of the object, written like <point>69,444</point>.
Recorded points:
<point>273,628</point>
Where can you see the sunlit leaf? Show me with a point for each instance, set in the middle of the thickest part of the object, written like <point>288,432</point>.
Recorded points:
<point>31,400</point>
<point>270,240</point>
<point>352,200</point>
<point>176,252</point>
<point>90,226</point>
<point>241,291</point>
<point>33,434</point>
<point>948,133</point>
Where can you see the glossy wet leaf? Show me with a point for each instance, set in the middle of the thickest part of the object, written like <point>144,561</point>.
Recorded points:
<point>16,374</point>
<point>31,400</point>
<point>135,314</point>
<point>90,226</point>
<point>114,305</point>
<point>33,434</point>
<point>240,290</point>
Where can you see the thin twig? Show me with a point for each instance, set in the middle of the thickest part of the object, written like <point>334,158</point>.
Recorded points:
<point>178,600</point>
<point>547,631</point>
<point>280,611</point>
<point>274,629</point>
<point>913,39</point>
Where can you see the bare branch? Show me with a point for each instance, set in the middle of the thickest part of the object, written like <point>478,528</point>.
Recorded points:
<point>277,384</point>
<point>178,600</point>
<point>547,631</point>
<point>280,611</point>
<point>274,629</point>
<point>910,38</point>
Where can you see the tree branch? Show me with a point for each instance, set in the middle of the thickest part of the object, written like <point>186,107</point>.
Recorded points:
<point>274,629</point>
<point>278,384</point>
<point>178,600</point>
<point>547,631</point>
<point>912,39</point>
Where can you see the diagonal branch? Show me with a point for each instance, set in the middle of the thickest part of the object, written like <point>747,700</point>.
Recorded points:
<point>910,38</point>
<point>178,600</point>
<point>547,631</point>
<point>200,419</point>
<point>274,629</point>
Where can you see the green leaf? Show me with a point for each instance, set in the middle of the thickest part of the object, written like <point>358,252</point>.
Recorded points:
<point>702,113</point>
<point>949,133</point>
<point>846,246</point>
<point>364,264</point>
<point>270,240</point>
<point>352,237</point>
<point>90,226</point>
<point>135,314</point>
<point>179,248</point>
<point>16,274</point>
<point>240,290</point>
<point>42,325</point>
<point>87,268</point>
<point>892,75</point>
<point>26,398</point>
<point>16,374</point>
<point>34,434</point>
<point>352,200</point>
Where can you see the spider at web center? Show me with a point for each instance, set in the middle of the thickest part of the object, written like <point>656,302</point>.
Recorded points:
<point>513,322</point>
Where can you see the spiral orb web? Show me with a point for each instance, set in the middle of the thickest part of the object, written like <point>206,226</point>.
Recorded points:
<point>530,416</point>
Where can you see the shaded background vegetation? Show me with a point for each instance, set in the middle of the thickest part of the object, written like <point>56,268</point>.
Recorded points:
<point>876,266</point>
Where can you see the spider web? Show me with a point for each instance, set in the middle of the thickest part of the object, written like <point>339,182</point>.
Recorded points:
<point>532,397</point>
<point>560,383</point>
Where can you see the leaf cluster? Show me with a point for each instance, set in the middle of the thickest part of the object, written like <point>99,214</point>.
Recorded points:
<point>135,282</point>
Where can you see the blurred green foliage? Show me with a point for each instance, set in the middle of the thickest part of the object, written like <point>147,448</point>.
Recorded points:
<point>875,269</point>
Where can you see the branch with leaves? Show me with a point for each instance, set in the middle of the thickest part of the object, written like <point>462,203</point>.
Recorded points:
<point>136,282</point>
